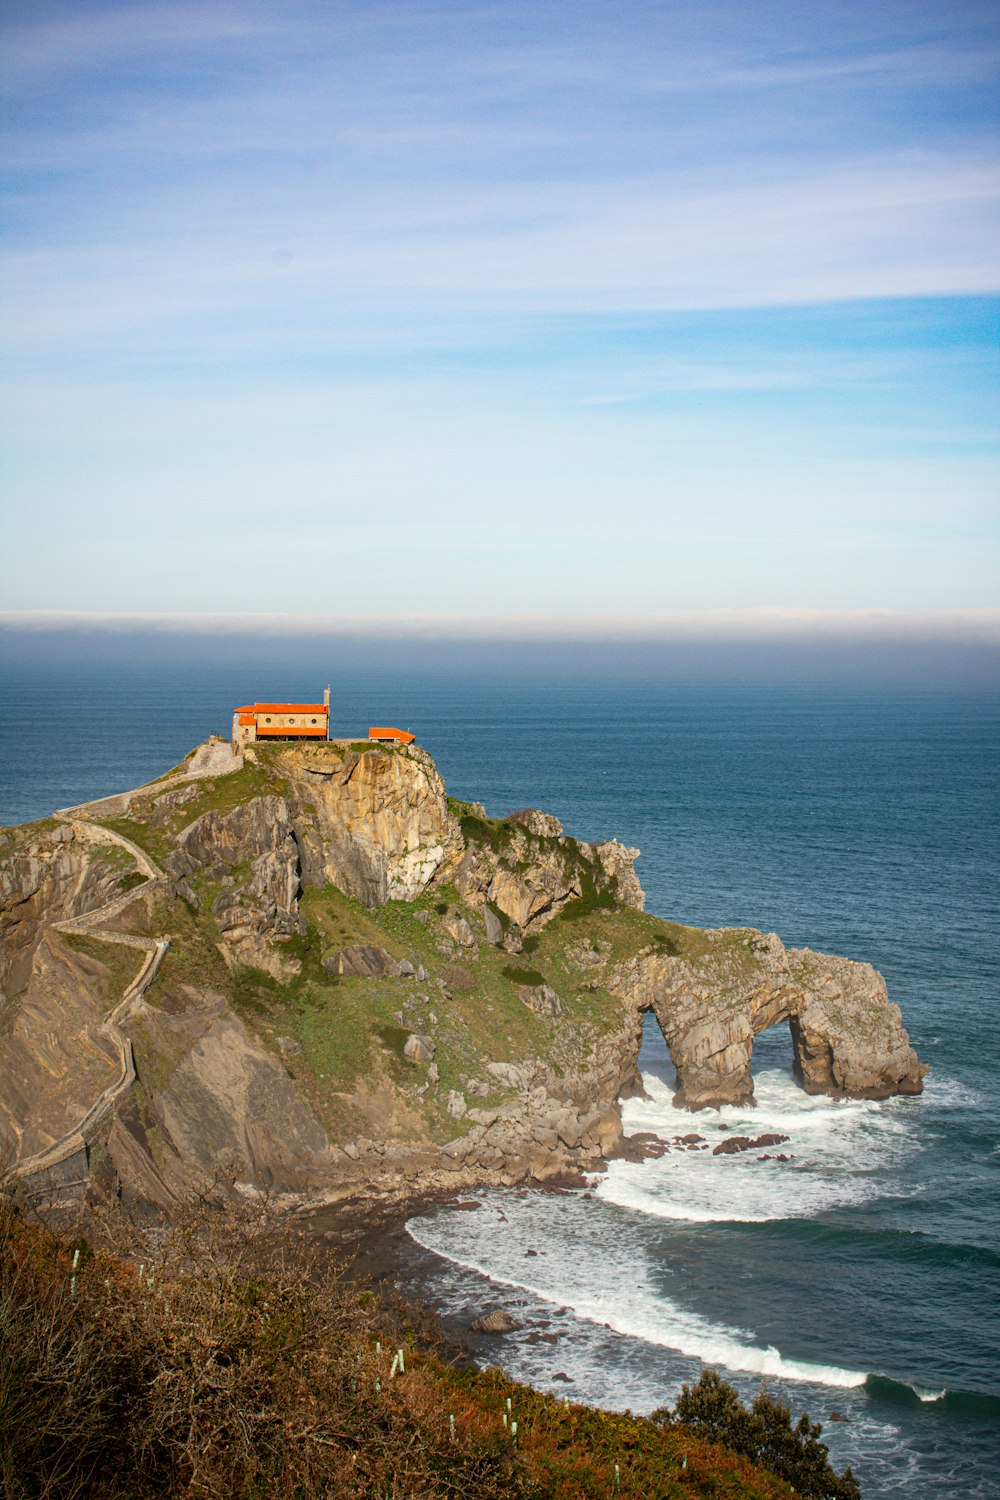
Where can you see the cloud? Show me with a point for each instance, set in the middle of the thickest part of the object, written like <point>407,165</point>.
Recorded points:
<point>920,225</point>
<point>39,49</point>
<point>768,623</point>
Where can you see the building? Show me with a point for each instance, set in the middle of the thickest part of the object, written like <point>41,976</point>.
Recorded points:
<point>281,721</point>
<point>386,736</point>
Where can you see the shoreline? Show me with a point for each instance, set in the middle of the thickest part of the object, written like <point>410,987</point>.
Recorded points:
<point>377,1250</point>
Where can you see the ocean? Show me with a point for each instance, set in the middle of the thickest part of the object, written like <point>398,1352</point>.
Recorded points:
<point>861,1277</point>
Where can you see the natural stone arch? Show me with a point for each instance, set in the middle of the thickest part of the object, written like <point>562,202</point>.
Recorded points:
<point>847,1037</point>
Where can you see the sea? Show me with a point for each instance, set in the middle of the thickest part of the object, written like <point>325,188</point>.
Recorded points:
<point>860,1279</point>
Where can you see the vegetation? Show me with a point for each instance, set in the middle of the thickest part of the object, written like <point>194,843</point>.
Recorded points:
<point>764,1434</point>
<point>529,977</point>
<point>121,963</point>
<point>210,1364</point>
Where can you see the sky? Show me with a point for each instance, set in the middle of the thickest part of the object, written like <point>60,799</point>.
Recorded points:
<point>648,314</point>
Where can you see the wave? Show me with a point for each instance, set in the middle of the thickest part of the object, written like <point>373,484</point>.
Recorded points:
<point>889,1392</point>
<point>658,1322</point>
<point>626,1304</point>
<point>843,1153</point>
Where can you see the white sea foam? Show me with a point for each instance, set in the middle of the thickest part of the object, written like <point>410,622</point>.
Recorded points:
<point>587,1259</point>
<point>944,1092</point>
<point>841,1153</point>
<point>583,1262</point>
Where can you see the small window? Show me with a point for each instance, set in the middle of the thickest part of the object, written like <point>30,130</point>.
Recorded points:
<point>267,721</point>
<point>312,721</point>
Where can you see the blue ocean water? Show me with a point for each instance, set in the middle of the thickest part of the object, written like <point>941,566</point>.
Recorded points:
<point>862,1277</point>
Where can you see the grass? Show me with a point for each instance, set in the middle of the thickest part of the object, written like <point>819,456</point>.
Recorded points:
<point>14,838</point>
<point>218,1359</point>
<point>529,977</point>
<point>121,963</point>
<point>215,794</point>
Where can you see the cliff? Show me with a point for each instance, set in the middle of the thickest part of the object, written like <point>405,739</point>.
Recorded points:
<point>313,971</point>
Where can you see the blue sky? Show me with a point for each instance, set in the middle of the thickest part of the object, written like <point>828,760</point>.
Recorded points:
<point>631,313</point>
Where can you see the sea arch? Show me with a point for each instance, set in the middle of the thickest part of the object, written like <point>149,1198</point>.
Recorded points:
<point>847,1037</point>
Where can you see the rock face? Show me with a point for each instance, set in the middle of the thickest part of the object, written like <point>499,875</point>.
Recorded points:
<point>54,875</point>
<point>220,1104</point>
<point>523,866</point>
<point>262,910</point>
<point>847,1038</point>
<point>374,822</point>
<point>54,1059</point>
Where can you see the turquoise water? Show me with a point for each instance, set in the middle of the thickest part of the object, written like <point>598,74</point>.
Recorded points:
<point>862,1277</point>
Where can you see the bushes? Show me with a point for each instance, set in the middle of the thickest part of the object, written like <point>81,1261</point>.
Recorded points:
<point>200,1363</point>
<point>205,1375</point>
<point>766,1435</point>
<point>531,978</point>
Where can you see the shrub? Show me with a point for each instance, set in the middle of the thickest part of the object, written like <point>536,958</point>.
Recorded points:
<point>206,1374</point>
<point>765,1434</point>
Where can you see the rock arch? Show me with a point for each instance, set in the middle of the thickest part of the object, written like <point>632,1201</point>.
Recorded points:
<point>848,1039</point>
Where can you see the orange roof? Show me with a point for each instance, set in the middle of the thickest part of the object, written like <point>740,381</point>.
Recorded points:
<point>377,733</point>
<point>283,708</point>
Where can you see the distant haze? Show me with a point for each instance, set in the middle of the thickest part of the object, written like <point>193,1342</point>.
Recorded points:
<point>914,653</point>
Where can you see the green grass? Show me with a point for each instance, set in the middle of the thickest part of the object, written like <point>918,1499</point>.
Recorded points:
<point>121,962</point>
<point>215,794</point>
<point>18,835</point>
<point>530,977</point>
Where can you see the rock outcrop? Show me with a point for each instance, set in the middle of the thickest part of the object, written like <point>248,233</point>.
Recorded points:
<point>260,911</point>
<point>848,1039</point>
<point>47,876</point>
<point>217,1104</point>
<point>373,821</point>
<point>527,869</point>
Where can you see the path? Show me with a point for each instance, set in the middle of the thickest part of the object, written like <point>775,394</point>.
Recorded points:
<point>214,758</point>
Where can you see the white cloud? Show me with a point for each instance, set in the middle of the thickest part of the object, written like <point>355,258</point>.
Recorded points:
<point>761,623</point>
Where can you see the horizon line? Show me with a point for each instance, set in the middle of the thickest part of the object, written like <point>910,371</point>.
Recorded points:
<point>759,622</point>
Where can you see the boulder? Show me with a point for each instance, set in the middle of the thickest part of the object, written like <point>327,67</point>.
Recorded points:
<point>362,961</point>
<point>494,927</point>
<point>459,931</point>
<point>418,1048</point>
<point>541,999</point>
<point>497,1321</point>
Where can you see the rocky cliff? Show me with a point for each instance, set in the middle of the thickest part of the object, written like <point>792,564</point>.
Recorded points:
<point>352,982</point>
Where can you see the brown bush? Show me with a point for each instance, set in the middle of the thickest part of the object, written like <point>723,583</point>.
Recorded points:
<point>204,1370</point>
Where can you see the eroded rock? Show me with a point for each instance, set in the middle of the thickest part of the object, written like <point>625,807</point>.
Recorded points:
<point>373,822</point>
<point>847,1038</point>
<point>497,1321</point>
<point>364,961</point>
